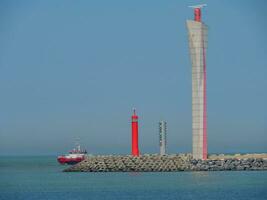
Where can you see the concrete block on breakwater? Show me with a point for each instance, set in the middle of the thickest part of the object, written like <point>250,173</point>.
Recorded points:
<point>166,163</point>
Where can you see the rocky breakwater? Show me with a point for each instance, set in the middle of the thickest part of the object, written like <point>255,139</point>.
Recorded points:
<point>229,164</point>
<point>167,163</point>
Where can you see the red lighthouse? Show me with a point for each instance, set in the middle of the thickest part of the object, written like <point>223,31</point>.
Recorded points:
<point>135,149</point>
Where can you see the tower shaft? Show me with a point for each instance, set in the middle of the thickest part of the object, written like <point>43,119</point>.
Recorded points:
<point>197,33</point>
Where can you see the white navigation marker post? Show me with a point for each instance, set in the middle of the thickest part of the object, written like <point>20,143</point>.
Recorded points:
<point>162,137</point>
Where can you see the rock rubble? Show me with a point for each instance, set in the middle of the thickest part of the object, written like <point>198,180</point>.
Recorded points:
<point>166,163</point>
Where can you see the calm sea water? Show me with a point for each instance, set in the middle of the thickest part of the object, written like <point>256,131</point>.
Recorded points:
<point>41,178</point>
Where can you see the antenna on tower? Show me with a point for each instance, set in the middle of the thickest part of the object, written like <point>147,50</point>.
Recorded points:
<point>134,110</point>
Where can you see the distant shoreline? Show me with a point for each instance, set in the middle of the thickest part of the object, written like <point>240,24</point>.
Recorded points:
<point>170,163</point>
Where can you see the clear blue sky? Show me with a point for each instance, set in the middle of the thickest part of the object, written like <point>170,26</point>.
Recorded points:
<point>73,69</point>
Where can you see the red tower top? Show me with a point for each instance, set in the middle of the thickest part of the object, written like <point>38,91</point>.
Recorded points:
<point>197,12</point>
<point>134,116</point>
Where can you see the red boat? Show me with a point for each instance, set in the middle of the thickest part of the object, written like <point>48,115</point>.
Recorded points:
<point>75,156</point>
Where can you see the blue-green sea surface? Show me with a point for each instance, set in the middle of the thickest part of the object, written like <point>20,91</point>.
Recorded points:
<point>35,178</point>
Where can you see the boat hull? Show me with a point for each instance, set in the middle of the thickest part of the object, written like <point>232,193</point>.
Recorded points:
<point>70,161</point>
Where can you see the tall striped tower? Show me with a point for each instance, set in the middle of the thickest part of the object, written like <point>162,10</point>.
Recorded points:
<point>162,137</point>
<point>197,34</point>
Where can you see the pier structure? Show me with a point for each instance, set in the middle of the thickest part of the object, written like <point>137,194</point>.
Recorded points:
<point>197,34</point>
<point>168,163</point>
